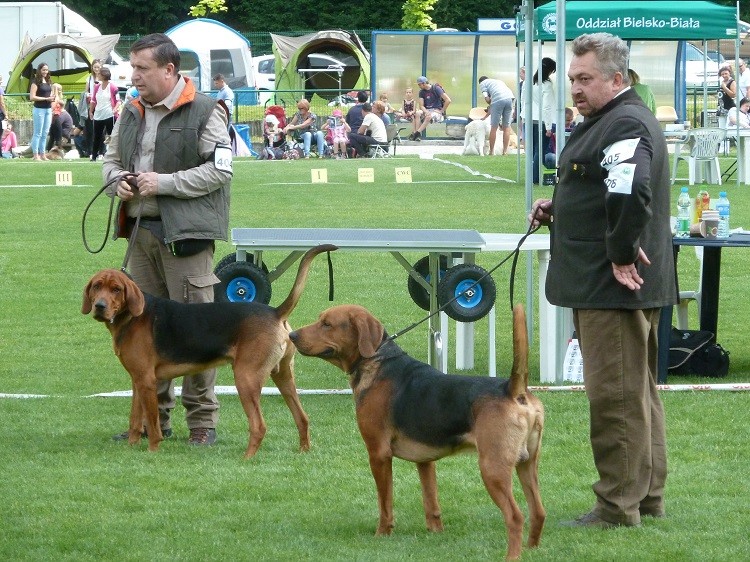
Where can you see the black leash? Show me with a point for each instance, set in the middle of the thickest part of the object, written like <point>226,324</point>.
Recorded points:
<point>514,254</point>
<point>130,178</point>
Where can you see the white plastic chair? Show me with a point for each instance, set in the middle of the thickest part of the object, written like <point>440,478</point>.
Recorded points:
<point>666,114</point>
<point>703,160</point>
<point>687,296</point>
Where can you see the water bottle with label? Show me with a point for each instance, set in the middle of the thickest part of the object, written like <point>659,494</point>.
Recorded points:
<point>683,214</point>
<point>722,205</point>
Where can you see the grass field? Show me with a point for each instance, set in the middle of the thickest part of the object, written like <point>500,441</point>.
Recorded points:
<point>70,493</point>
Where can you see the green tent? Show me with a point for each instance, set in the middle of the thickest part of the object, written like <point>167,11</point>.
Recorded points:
<point>326,63</point>
<point>663,20</point>
<point>69,60</point>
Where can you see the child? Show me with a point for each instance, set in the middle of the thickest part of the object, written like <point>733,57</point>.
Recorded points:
<point>9,141</point>
<point>340,130</point>
<point>409,107</point>
<point>272,131</point>
<point>388,106</point>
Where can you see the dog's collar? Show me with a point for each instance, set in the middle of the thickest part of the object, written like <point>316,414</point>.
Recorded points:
<point>387,349</point>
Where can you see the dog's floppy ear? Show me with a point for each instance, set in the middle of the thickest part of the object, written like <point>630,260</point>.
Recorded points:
<point>133,297</point>
<point>86,304</point>
<point>369,331</point>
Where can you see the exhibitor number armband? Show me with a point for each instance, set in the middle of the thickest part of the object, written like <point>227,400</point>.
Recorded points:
<point>223,158</point>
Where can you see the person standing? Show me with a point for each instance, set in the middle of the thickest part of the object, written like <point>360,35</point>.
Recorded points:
<point>743,80</point>
<point>103,111</point>
<point>500,97</point>
<point>612,263</point>
<point>433,106</point>
<point>84,106</point>
<point>642,90</point>
<point>542,112</point>
<point>42,96</point>
<point>225,94</point>
<point>727,93</point>
<point>3,109</point>
<point>183,182</point>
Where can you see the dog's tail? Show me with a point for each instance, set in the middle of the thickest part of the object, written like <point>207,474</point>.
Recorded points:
<point>519,378</point>
<point>286,307</point>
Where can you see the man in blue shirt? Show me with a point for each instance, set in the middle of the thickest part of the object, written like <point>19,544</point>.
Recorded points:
<point>225,94</point>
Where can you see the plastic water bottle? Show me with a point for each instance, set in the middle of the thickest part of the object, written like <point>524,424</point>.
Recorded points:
<point>722,205</point>
<point>683,214</point>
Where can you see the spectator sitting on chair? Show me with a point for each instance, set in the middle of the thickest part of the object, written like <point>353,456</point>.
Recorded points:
<point>354,116</point>
<point>739,114</point>
<point>378,108</point>
<point>433,105</point>
<point>372,124</point>
<point>303,123</point>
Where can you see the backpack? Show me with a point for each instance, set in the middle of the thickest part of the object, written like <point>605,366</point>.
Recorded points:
<point>693,352</point>
<point>440,98</point>
<point>72,108</point>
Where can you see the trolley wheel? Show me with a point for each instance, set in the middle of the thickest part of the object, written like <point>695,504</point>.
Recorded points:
<point>232,258</point>
<point>473,287</point>
<point>242,281</point>
<point>419,294</point>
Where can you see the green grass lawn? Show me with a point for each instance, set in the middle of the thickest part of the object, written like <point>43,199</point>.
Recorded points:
<point>69,492</point>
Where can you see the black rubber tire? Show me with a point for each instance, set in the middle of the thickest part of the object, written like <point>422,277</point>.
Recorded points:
<point>419,294</point>
<point>232,258</point>
<point>242,281</point>
<point>477,298</point>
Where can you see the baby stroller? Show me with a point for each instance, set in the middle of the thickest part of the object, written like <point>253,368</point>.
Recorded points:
<point>274,138</point>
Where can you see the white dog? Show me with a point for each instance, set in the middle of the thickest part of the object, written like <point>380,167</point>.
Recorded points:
<point>474,138</point>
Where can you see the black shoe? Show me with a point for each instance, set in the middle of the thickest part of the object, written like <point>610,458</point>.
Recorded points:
<point>202,436</point>
<point>412,136</point>
<point>165,433</point>
<point>417,136</point>
<point>591,520</point>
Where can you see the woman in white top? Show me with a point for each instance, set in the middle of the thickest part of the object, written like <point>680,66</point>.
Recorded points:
<point>542,111</point>
<point>103,111</point>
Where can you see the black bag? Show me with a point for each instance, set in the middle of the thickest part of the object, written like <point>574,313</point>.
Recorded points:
<point>693,352</point>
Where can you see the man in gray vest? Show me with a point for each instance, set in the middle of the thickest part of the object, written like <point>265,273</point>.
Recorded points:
<point>175,139</point>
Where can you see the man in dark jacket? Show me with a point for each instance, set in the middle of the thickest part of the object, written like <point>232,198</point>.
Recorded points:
<point>612,263</point>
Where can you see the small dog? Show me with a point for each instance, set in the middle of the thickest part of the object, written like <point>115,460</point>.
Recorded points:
<point>407,409</point>
<point>55,153</point>
<point>157,338</point>
<point>474,138</point>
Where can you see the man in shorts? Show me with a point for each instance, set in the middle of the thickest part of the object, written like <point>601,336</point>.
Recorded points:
<point>499,96</point>
<point>433,103</point>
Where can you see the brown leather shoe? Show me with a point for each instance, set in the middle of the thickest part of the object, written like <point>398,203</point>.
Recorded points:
<point>202,436</point>
<point>590,520</point>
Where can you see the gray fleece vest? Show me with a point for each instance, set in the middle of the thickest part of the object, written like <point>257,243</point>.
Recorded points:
<point>177,143</point>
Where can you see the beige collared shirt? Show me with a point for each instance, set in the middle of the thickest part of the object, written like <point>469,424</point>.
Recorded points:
<point>193,182</point>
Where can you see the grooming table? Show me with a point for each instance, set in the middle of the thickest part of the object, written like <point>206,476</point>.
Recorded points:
<point>460,245</point>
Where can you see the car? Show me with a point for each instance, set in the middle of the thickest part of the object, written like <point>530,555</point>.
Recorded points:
<point>264,70</point>
<point>697,71</point>
<point>120,69</point>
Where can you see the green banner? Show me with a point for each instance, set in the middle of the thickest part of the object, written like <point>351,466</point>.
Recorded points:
<point>667,20</point>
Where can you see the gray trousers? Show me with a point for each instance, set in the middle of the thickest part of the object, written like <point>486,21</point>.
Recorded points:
<point>190,280</point>
<point>627,428</point>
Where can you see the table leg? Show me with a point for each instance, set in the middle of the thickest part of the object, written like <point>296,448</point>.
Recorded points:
<point>710,288</point>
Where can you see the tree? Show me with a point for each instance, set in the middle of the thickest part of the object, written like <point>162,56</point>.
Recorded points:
<point>416,16</point>
<point>205,7</point>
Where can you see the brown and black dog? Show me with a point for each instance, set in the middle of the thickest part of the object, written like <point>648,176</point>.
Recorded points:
<point>407,409</point>
<point>157,338</point>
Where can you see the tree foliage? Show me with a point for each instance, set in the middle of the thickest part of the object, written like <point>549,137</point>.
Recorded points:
<point>416,15</point>
<point>139,18</point>
<point>207,7</point>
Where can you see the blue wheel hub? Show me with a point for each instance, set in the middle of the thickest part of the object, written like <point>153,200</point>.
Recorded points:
<point>472,295</point>
<point>241,289</point>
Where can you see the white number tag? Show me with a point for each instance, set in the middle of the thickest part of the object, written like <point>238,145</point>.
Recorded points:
<point>223,158</point>
<point>619,152</point>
